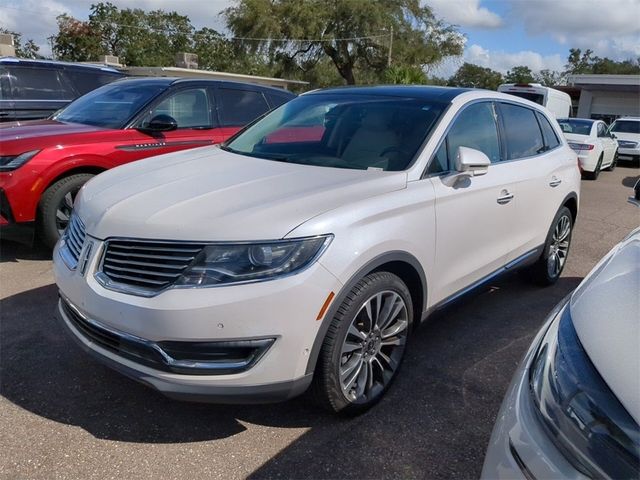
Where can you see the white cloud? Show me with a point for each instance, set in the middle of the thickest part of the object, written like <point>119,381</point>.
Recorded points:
<point>466,13</point>
<point>610,28</point>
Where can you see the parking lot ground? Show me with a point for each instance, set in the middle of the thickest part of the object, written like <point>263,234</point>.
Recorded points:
<point>63,415</point>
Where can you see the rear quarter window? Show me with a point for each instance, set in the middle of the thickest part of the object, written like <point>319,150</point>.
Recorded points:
<point>550,138</point>
<point>522,132</point>
<point>238,107</point>
<point>29,83</point>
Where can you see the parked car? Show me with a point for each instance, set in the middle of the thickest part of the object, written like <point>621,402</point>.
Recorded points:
<point>306,249</point>
<point>557,102</point>
<point>44,163</point>
<point>573,407</point>
<point>35,89</point>
<point>596,147</point>
<point>627,131</point>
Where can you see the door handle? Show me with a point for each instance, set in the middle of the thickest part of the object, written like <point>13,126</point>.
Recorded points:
<point>505,197</point>
<point>555,182</point>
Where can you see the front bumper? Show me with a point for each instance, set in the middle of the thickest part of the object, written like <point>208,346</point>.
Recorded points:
<point>282,310</point>
<point>520,447</point>
<point>629,154</point>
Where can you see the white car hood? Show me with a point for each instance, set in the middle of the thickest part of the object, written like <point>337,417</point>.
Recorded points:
<point>208,194</point>
<point>605,309</point>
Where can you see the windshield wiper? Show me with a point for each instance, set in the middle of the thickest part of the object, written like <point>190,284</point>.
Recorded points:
<point>262,156</point>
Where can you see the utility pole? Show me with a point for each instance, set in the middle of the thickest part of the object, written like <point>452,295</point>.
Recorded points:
<point>390,46</point>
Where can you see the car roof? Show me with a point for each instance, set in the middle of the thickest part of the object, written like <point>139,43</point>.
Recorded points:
<point>166,81</point>
<point>633,119</point>
<point>47,63</point>
<point>421,92</point>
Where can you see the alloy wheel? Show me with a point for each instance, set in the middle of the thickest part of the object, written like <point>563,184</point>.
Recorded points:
<point>559,247</point>
<point>63,212</point>
<point>373,346</point>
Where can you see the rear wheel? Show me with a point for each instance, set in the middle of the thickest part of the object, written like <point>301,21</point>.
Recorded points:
<point>614,162</point>
<point>594,175</point>
<point>549,266</point>
<point>365,345</point>
<point>56,205</point>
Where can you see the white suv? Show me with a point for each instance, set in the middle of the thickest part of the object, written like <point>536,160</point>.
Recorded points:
<point>306,249</point>
<point>627,131</point>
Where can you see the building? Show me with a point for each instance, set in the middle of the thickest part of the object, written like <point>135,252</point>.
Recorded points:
<point>605,97</point>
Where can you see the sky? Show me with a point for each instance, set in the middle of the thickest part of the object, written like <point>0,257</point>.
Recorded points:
<point>499,34</point>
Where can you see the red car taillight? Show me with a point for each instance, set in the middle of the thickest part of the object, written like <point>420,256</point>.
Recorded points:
<point>581,146</point>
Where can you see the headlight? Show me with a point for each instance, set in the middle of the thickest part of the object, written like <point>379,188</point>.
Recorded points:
<point>11,162</point>
<point>221,264</point>
<point>584,418</point>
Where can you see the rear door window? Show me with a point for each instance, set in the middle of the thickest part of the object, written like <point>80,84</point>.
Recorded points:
<point>238,107</point>
<point>550,138</point>
<point>523,134</point>
<point>86,80</point>
<point>30,83</point>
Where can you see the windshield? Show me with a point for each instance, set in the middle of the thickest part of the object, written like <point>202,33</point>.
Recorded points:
<point>533,97</point>
<point>626,126</point>
<point>577,127</point>
<point>110,106</point>
<point>344,131</point>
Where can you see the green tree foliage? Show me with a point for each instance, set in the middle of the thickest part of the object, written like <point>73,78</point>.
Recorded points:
<point>519,74</point>
<point>549,78</point>
<point>28,50</point>
<point>354,35</point>
<point>405,75</point>
<point>475,76</point>
<point>580,62</point>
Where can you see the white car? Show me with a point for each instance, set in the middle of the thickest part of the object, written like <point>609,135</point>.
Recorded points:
<point>597,149</point>
<point>627,131</point>
<point>306,250</point>
<point>573,407</point>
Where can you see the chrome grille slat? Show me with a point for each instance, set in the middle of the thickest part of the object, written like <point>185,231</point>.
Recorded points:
<point>73,237</point>
<point>147,265</point>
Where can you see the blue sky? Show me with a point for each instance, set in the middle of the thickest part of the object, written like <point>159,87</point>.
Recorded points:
<point>499,34</point>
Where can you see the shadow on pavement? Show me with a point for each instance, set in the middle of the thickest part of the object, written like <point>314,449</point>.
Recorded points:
<point>630,181</point>
<point>434,422</point>
<point>12,251</point>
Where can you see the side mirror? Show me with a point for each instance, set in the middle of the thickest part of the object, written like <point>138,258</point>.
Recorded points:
<point>472,161</point>
<point>160,123</point>
<point>612,136</point>
<point>635,199</point>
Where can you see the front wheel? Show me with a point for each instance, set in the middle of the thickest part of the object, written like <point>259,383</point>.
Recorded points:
<point>547,269</point>
<point>365,344</point>
<point>55,207</point>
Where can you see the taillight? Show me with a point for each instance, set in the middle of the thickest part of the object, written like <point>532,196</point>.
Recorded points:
<point>581,146</point>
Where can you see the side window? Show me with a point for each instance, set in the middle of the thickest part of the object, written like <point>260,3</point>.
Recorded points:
<point>5,91</point>
<point>523,135</point>
<point>39,84</point>
<point>238,107</point>
<point>549,134</point>
<point>189,108</point>
<point>440,161</point>
<point>276,99</point>
<point>85,81</point>
<point>602,130</point>
<point>476,128</point>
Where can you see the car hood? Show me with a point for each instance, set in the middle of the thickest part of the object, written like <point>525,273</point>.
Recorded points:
<point>39,133</point>
<point>207,194</point>
<point>605,309</point>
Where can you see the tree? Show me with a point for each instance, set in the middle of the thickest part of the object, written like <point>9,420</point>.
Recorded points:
<point>579,62</point>
<point>475,76</point>
<point>355,35</point>
<point>519,74</point>
<point>29,50</point>
<point>404,75</point>
<point>550,78</point>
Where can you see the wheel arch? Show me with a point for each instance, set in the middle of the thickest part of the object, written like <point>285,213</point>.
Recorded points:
<point>90,169</point>
<point>571,202</point>
<point>400,263</point>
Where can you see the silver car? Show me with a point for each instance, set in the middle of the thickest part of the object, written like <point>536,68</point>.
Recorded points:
<point>573,407</point>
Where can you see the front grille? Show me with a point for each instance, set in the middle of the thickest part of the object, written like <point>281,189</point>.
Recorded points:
<point>73,237</point>
<point>150,266</point>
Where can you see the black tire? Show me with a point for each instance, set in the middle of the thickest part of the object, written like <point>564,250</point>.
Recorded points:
<point>540,272</point>
<point>54,199</point>
<point>614,162</point>
<point>327,388</point>
<point>594,175</point>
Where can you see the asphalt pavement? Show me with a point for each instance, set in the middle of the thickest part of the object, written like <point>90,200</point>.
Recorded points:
<point>63,415</point>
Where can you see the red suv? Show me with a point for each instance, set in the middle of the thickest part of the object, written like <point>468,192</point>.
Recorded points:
<point>44,163</point>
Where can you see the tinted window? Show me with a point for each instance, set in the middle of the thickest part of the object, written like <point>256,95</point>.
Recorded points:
<point>189,108</point>
<point>111,106</point>
<point>440,161</point>
<point>626,126</point>
<point>523,136</point>
<point>86,80</point>
<point>239,107</point>
<point>602,130</point>
<point>276,99</point>
<point>475,128</point>
<point>39,84</point>
<point>533,97</point>
<point>549,134</point>
<point>4,84</point>
<point>576,126</point>
<point>343,131</point>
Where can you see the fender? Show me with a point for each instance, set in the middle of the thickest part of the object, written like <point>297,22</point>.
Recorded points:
<point>393,256</point>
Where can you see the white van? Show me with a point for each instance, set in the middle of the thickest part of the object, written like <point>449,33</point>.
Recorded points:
<point>557,102</point>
